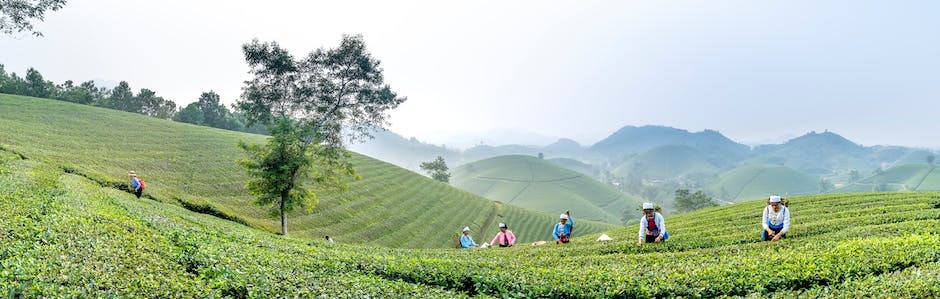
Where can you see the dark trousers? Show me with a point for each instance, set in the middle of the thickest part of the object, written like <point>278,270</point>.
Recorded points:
<point>138,192</point>
<point>764,236</point>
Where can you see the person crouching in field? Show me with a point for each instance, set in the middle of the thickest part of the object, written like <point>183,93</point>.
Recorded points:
<point>466,241</point>
<point>562,230</point>
<point>505,237</point>
<point>137,185</point>
<point>776,220</point>
<point>652,226</point>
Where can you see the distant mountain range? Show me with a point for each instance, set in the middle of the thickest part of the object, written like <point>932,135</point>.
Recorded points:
<point>636,159</point>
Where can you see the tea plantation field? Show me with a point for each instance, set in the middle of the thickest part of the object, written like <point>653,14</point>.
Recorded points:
<point>63,235</point>
<point>194,167</point>
<point>541,185</point>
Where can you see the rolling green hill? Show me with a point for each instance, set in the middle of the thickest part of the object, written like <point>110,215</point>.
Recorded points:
<point>64,235</point>
<point>536,184</point>
<point>194,167</point>
<point>666,162</point>
<point>906,177</point>
<point>572,164</point>
<point>816,153</point>
<point>751,182</point>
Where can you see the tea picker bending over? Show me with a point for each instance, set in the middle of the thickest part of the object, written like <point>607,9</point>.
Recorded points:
<point>776,220</point>
<point>652,226</point>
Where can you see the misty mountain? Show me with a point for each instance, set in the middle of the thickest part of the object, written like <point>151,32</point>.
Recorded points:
<point>817,153</point>
<point>404,152</point>
<point>631,140</point>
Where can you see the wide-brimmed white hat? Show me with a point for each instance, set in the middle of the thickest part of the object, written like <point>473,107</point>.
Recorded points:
<point>648,206</point>
<point>502,225</point>
<point>775,198</point>
<point>564,216</point>
<point>466,228</point>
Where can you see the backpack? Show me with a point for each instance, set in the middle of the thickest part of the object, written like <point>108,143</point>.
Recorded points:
<point>142,184</point>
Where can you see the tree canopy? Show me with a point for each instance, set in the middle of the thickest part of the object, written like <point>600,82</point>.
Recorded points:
<point>18,15</point>
<point>307,104</point>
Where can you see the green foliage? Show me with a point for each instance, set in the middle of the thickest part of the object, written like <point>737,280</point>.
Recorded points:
<point>304,103</point>
<point>686,201</point>
<point>191,114</point>
<point>18,15</point>
<point>437,169</point>
<point>279,168</point>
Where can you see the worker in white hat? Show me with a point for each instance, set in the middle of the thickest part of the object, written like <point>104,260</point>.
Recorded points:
<point>466,241</point>
<point>562,230</point>
<point>505,237</point>
<point>652,226</point>
<point>776,220</point>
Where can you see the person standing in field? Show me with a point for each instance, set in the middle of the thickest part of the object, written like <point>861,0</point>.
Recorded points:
<point>652,226</point>
<point>505,237</point>
<point>776,220</point>
<point>137,185</point>
<point>562,230</point>
<point>466,241</point>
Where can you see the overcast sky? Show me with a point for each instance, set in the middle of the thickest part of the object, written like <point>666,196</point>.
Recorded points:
<point>753,70</point>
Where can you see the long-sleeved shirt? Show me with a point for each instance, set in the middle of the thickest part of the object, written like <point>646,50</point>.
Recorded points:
<point>509,238</point>
<point>135,183</point>
<point>466,241</point>
<point>657,219</point>
<point>560,229</point>
<point>783,217</point>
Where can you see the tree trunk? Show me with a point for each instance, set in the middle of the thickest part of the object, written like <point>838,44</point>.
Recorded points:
<point>283,216</point>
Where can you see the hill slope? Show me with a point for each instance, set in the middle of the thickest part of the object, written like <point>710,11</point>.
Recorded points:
<point>751,182</point>
<point>533,183</point>
<point>194,167</point>
<point>66,236</point>
<point>666,162</point>
<point>906,177</point>
<point>816,153</point>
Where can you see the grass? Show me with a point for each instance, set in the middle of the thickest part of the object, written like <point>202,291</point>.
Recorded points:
<point>194,167</point>
<point>536,184</point>
<point>755,181</point>
<point>64,235</point>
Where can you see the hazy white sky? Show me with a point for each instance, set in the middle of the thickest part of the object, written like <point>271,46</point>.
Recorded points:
<point>753,70</point>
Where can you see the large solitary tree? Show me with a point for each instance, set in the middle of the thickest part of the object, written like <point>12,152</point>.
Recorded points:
<point>307,104</point>
<point>17,15</point>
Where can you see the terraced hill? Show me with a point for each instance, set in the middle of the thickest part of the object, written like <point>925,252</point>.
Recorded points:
<point>536,184</point>
<point>666,162</point>
<point>194,167</point>
<point>753,181</point>
<point>64,235</point>
<point>906,177</point>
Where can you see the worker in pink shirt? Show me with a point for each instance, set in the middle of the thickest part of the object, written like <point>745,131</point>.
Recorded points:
<point>504,238</point>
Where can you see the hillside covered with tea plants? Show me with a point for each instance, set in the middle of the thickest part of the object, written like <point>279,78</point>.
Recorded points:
<point>65,235</point>
<point>195,167</point>
<point>67,229</point>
